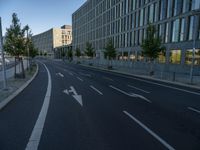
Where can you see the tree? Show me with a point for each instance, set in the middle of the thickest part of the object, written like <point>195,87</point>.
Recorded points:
<point>89,51</point>
<point>151,46</point>
<point>78,52</point>
<point>15,43</point>
<point>70,54</point>
<point>110,52</point>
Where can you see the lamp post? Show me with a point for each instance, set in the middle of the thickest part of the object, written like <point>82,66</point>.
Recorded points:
<point>3,59</point>
<point>195,12</point>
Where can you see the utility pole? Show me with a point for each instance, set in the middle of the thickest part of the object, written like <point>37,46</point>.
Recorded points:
<point>3,59</point>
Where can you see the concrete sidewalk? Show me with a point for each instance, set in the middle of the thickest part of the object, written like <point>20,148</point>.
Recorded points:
<point>15,86</point>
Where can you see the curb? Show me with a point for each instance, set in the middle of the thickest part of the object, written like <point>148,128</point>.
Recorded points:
<point>144,77</point>
<point>18,91</point>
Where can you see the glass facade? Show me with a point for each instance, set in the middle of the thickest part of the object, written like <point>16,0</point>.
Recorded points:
<point>125,22</point>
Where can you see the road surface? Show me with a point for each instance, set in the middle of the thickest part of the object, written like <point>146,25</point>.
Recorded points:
<point>72,107</point>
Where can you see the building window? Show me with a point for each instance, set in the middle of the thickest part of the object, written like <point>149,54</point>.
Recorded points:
<point>151,13</point>
<point>162,57</point>
<point>195,4</point>
<point>166,32</point>
<point>190,27</point>
<point>175,56</point>
<point>175,30</point>
<point>168,8</point>
<point>189,56</point>
<point>182,29</point>
<point>185,4</point>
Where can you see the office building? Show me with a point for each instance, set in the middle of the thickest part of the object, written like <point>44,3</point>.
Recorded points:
<point>47,41</point>
<point>126,21</point>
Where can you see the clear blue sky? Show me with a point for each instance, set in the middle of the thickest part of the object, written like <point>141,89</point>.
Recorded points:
<point>40,15</point>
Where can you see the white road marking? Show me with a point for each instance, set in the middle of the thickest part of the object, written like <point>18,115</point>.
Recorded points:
<point>138,89</point>
<point>79,79</point>
<point>60,74</point>
<point>163,142</point>
<point>143,80</point>
<point>108,78</point>
<point>75,95</point>
<point>38,128</point>
<point>130,94</point>
<point>193,109</point>
<point>95,89</point>
<point>84,74</point>
<point>70,73</point>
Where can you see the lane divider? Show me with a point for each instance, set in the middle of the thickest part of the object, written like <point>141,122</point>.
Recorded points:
<point>163,142</point>
<point>95,89</point>
<point>193,109</point>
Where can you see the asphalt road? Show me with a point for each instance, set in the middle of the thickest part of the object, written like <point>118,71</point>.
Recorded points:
<point>72,107</point>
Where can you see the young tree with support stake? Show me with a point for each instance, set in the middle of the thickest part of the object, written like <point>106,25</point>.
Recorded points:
<point>110,53</point>
<point>78,54</point>
<point>15,43</point>
<point>89,51</point>
<point>151,46</point>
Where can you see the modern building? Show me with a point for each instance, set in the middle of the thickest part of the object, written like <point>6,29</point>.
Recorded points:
<point>125,22</point>
<point>47,41</point>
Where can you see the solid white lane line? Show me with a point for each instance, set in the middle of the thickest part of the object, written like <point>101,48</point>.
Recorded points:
<point>130,94</point>
<point>193,109</point>
<point>163,142</point>
<point>34,139</point>
<point>79,79</point>
<point>95,89</point>
<point>138,89</point>
<point>108,78</point>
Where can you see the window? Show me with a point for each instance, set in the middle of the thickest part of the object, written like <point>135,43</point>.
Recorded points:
<point>195,4</point>
<point>189,56</point>
<point>166,32</point>
<point>175,56</point>
<point>162,57</point>
<point>190,28</point>
<point>182,29</point>
<point>168,8</point>
<point>151,13</point>
<point>185,2</point>
<point>175,30</point>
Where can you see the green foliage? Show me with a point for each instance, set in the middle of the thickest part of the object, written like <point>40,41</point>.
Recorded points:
<point>32,50</point>
<point>151,46</point>
<point>110,50</point>
<point>15,43</point>
<point>89,51</point>
<point>70,54</point>
<point>78,52</point>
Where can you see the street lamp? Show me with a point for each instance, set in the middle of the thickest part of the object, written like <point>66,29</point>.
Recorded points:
<point>2,57</point>
<point>195,13</point>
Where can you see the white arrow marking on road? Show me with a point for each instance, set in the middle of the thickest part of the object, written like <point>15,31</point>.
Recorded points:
<point>75,95</point>
<point>79,99</point>
<point>66,92</point>
<point>60,74</point>
<point>131,95</point>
